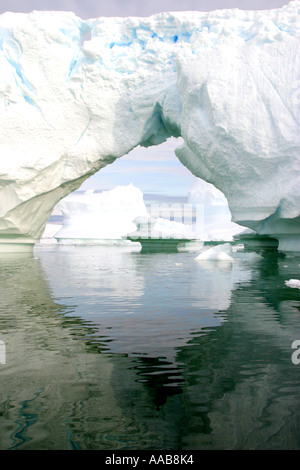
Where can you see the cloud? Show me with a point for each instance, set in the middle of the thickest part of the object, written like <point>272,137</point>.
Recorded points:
<point>147,169</point>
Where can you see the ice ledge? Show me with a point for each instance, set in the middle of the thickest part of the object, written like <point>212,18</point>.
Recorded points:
<point>289,243</point>
<point>17,245</point>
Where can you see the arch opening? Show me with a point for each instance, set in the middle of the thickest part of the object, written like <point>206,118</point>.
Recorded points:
<point>147,193</point>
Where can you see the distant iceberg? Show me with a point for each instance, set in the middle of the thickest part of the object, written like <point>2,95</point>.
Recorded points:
<point>155,228</point>
<point>103,217</point>
<point>217,223</point>
<point>94,217</point>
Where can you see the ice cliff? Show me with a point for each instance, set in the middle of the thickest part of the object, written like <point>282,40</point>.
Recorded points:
<point>227,81</point>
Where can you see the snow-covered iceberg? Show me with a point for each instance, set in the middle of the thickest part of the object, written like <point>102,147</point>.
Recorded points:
<point>226,81</point>
<point>95,217</point>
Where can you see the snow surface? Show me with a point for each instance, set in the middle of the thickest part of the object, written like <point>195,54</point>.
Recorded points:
<point>227,81</point>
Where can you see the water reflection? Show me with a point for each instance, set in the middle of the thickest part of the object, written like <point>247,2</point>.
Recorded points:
<point>151,304</point>
<point>50,372</point>
<point>119,350</point>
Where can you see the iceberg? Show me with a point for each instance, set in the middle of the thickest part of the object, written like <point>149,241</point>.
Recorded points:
<point>226,81</point>
<point>148,227</point>
<point>161,234</point>
<point>94,217</point>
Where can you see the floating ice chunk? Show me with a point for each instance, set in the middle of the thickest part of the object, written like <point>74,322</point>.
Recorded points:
<point>220,253</point>
<point>295,283</point>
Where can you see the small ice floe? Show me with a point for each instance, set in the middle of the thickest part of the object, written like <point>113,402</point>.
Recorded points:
<point>295,283</point>
<point>220,253</point>
<point>178,264</point>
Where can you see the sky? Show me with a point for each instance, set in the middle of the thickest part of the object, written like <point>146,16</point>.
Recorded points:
<point>155,169</point>
<point>93,8</point>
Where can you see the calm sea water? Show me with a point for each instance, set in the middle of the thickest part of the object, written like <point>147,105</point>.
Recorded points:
<point>108,348</point>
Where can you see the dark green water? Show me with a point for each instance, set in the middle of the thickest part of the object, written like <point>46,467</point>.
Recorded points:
<point>112,349</point>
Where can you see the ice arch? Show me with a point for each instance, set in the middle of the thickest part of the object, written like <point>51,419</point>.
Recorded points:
<point>226,81</point>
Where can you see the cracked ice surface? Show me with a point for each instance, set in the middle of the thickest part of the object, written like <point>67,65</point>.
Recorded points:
<point>226,81</point>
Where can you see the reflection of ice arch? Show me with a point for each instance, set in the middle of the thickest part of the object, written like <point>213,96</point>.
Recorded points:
<point>148,305</point>
<point>87,272</point>
<point>219,279</point>
<point>2,352</point>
